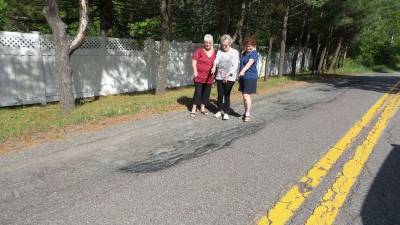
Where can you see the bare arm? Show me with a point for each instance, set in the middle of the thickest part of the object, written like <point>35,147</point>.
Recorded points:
<point>194,65</point>
<point>246,67</point>
<point>216,61</point>
<point>235,65</point>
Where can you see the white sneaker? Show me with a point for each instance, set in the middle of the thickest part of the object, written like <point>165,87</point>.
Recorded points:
<point>217,115</point>
<point>226,117</point>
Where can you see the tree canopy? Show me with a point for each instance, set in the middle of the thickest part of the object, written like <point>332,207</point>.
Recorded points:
<point>369,29</point>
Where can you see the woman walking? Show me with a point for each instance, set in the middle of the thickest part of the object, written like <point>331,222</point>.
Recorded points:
<point>226,66</point>
<point>248,75</point>
<point>202,64</point>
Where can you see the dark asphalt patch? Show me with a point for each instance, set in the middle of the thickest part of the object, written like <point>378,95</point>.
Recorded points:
<point>194,148</point>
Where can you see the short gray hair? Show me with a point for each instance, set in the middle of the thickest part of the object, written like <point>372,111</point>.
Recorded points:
<point>209,38</point>
<point>226,37</point>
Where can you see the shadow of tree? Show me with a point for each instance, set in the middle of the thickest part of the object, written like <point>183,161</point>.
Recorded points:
<point>382,204</point>
<point>378,83</point>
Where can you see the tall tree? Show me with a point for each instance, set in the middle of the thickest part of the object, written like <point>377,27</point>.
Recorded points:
<point>166,28</point>
<point>284,37</point>
<point>224,15</point>
<point>64,48</point>
<point>336,55</point>
<point>106,8</point>
<point>268,61</point>
<point>298,47</point>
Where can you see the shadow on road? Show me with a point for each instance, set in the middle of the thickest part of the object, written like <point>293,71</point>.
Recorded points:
<point>212,106</point>
<point>379,83</point>
<point>188,102</point>
<point>382,204</point>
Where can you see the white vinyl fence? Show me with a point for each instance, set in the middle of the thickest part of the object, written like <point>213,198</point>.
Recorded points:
<point>101,66</point>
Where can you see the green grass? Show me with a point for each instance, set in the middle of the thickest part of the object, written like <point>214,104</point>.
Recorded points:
<point>17,121</point>
<point>353,67</point>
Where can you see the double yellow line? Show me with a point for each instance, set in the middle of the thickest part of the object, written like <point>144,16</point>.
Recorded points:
<point>326,212</point>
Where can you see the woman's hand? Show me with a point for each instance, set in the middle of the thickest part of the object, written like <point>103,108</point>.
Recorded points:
<point>213,70</point>
<point>194,75</point>
<point>225,79</point>
<point>241,74</point>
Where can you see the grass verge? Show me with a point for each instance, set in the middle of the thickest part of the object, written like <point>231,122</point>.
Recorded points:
<point>353,67</point>
<point>36,124</point>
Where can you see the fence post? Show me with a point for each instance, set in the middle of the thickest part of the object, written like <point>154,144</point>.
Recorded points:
<point>38,48</point>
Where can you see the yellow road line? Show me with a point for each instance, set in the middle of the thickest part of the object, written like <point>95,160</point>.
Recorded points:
<point>334,198</point>
<point>294,198</point>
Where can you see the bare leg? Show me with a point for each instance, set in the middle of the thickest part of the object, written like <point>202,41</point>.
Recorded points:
<point>194,109</point>
<point>244,103</point>
<point>202,108</point>
<point>247,104</point>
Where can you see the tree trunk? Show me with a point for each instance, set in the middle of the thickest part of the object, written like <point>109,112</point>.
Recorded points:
<point>106,8</point>
<point>339,60</point>
<point>304,51</point>
<point>298,48</point>
<point>316,52</point>
<point>64,49</point>
<point>321,60</point>
<point>267,68</point>
<point>325,60</point>
<point>315,55</point>
<point>283,42</point>
<point>166,14</point>
<point>328,49</point>
<point>224,15</point>
<point>239,25</point>
<point>333,63</point>
<point>344,57</point>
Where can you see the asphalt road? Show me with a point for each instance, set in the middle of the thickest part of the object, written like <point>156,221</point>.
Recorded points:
<point>175,170</point>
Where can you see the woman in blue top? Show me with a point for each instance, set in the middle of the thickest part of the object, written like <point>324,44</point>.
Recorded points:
<point>248,75</point>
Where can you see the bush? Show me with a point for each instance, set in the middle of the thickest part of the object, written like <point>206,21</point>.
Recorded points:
<point>148,28</point>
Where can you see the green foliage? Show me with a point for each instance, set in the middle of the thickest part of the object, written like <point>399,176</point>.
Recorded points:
<point>370,28</point>
<point>378,42</point>
<point>148,28</point>
<point>353,67</point>
<point>3,18</point>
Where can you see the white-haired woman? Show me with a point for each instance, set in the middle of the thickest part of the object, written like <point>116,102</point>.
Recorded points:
<point>202,64</point>
<point>226,67</point>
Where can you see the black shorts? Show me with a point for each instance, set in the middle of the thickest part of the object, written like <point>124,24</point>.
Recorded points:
<point>248,86</point>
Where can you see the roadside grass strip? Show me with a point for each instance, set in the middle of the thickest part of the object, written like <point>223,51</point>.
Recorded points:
<point>17,123</point>
<point>334,198</point>
<point>292,200</point>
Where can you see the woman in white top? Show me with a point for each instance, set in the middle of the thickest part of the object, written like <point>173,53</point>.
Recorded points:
<point>226,66</point>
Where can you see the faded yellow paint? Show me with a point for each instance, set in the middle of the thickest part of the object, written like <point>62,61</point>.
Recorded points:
<point>263,221</point>
<point>290,202</point>
<point>334,198</point>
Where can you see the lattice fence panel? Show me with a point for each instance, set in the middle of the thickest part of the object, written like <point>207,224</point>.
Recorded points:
<point>17,42</point>
<point>122,45</point>
<point>91,43</point>
<point>46,43</point>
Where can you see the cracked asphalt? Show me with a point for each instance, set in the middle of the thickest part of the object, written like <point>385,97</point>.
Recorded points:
<point>172,169</point>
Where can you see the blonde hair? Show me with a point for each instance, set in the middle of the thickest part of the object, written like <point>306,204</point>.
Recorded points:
<point>226,37</point>
<point>209,38</point>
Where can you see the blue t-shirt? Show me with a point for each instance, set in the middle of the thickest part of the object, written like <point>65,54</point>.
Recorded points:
<point>252,72</point>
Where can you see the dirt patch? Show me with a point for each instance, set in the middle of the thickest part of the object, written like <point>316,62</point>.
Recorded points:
<point>30,140</point>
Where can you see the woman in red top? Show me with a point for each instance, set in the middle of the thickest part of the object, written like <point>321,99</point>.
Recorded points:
<point>202,63</point>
